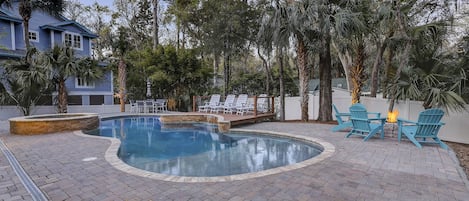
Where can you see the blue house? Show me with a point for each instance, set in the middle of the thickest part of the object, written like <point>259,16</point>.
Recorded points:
<point>46,31</point>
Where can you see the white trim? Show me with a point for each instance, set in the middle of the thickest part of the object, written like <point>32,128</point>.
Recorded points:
<point>91,51</point>
<point>86,93</point>
<point>13,35</point>
<point>52,42</point>
<point>112,82</point>
<point>37,36</point>
<point>72,35</point>
<point>91,86</point>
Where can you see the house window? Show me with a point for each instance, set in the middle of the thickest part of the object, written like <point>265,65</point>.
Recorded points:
<point>96,99</point>
<point>73,40</point>
<point>83,83</point>
<point>74,100</point>
<point>33,36</point>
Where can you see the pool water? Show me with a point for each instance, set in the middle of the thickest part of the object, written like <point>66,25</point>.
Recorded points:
<point>198,150</point>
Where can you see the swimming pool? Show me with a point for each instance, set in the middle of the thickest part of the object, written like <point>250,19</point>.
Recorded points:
<point>198,150</point>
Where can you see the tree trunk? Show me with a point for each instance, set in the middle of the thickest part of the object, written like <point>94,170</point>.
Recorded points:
<point>303,78</point>
<point>325,78</point>
<point>402,32</point>
<point>282,85</point>
<point>155,24</point>
<point>178,30</point>
<point>375,70</point>
<point>267,71</point>
<point>346,61</point>
<point>25,11</point>
<point>122,75</point>
<point>216,66</point>
<point>226,65</point>
<point>62,97</point>
<point>26,33</point>
<point>403,63</point>
<point>357,74</point>
<point>387,72</point>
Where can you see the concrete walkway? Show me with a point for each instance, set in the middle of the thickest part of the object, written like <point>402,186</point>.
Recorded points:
<point>373,170</point>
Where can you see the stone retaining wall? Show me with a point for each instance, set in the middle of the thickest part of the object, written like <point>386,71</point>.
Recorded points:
<point>40,124</point>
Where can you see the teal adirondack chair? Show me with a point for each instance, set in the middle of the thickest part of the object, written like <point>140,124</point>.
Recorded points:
<point>343,119</point>
<point>364,126</point>
<point>427,126</point>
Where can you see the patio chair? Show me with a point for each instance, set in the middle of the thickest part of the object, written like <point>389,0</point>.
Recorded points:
<point>160,105</point>
<point>241,106</point>
<point>263,103</point>
<point>133,106</point>
<point>364,126</point>
<point>229,101</point>
<point>427,126</point>
<point>140,105</point>
<point>343,119</point>
<point>214,101</point>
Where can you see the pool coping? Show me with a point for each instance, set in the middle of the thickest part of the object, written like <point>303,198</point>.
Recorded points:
<point>112,158</point>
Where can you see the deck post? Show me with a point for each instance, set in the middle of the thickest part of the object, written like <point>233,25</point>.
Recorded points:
<point>194,104</point>
<point>272,107</point>
<point>255,105</point>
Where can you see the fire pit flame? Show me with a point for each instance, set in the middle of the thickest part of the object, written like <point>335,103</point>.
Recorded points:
<point>392,116</point>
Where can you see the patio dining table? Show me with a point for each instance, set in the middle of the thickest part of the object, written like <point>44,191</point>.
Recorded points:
<point>149,105</point>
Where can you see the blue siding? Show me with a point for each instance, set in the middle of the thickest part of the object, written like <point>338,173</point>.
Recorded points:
<point>108,100</point>
<point>85,41</point>
<point>86,47</point>
<point>5,34</point>
<point>44,39</point>
<point>19,39</point>
<point>72,29</point>
<point>85,100</point>
<point>57,38</point>
<point>100,85</point>
<point>40,18</point>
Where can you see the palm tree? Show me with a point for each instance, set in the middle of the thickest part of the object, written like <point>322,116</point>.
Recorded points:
<point>272,33</point>
<point>410,28</point>
<point>351,29</point>
<point>432,75</point>
<point>308,23</point>
<point>288,20</point>
<point>121,47</point>
<point>324,19</point>
<point>60,63</point>
<point>155,23</point>
<point>26,82</point>
<point>26,7</point>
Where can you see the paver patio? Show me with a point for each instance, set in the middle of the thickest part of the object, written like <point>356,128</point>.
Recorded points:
<point>373,170</point>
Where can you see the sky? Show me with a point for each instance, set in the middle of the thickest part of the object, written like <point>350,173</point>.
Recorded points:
<point>102,2</point>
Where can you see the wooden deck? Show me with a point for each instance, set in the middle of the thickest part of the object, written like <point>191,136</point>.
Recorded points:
<point>236,120</point>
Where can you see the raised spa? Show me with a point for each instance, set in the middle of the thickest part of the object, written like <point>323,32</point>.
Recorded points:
<point>53,123</point>
<point>198,150</point>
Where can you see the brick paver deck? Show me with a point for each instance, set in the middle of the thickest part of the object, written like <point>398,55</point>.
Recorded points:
<point>373,170</point>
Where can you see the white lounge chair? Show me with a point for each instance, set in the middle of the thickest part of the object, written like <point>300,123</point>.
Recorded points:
<point>229,102</point>
<point>214,101</point>
<point>263,103</point>
<point>241,102</point>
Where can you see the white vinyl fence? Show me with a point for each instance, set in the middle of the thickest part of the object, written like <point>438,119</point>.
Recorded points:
<point>7,112</point>
<point>455,130</point>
